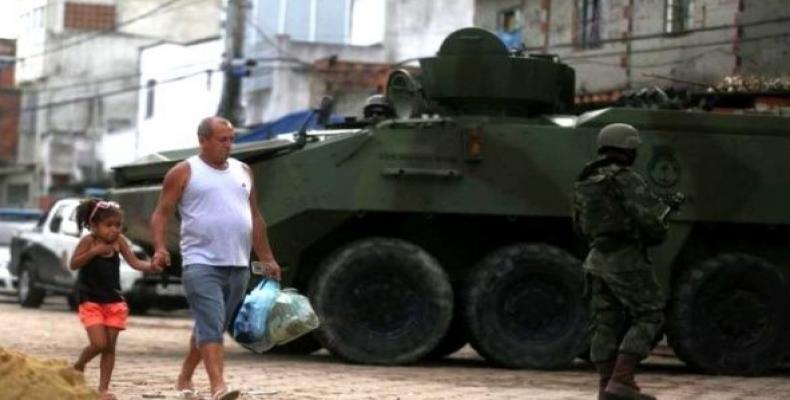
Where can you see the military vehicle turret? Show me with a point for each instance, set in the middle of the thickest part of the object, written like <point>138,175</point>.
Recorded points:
<point>450,223</point>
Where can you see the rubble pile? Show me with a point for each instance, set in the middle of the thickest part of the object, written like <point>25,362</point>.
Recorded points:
<point>754,84</point>
<point>30,378</point>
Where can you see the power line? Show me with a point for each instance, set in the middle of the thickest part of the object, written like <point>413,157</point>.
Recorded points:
<point>116,78</point>
<point>675,47</point>
<point>113,92</point>
<point>96,35</point>
<point>123,90</point>
<point>273,42</point>
<point>662,35</point>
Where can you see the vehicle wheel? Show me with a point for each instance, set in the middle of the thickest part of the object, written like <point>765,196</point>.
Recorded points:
<point>139,307</point>
<point>381,301</point>
<point>728,315</point>
<point>524,307</point>
<point>30,296</point>
<point>306,344</point>
<point>455,338</point>
<point>71,299</point>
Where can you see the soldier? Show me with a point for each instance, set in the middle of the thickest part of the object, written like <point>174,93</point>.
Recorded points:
<point>377,108</point>
<point>615,211</point>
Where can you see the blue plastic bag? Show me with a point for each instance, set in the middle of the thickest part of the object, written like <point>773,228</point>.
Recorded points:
<point>249,327</point>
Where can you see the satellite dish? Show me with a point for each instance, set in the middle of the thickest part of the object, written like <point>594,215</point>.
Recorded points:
<point>404,94</point>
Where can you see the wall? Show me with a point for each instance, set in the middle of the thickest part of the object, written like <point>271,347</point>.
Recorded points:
<point>705,53</point>
<point>771,54</point>
<point>179,105</point>
<point>83,93</point>
<point>9,106</point>
<point>181,23</point>
<point>416,28</point>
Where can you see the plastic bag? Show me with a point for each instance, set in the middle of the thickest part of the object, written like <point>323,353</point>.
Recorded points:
<point>292,316</point>
<point>250,325</point>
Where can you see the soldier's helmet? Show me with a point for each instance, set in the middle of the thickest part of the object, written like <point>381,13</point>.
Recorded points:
<point>621,136</point>
<point>378,106</point>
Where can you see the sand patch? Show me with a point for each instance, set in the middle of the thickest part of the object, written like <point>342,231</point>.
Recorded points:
<point>31,378</point>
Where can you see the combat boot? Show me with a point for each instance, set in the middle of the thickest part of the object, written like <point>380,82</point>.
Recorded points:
<point>605,370</point>
<point>621,385</point>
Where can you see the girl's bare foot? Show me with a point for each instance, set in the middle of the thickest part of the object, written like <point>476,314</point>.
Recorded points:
<point>106,395</point>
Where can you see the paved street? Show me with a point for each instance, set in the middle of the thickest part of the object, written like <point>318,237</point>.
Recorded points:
<point>149,353</point>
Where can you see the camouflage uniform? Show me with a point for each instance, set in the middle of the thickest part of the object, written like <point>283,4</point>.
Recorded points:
<point>619,216</point>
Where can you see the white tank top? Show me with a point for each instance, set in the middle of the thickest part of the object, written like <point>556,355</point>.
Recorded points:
<point>216,220</point>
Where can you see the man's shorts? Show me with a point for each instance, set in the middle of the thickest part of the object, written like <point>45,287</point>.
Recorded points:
<point>213,293</point>
<point>111,315</point>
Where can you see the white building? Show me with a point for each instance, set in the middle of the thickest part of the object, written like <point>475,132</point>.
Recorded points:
<point>287,37</point>
<point>78,69</point>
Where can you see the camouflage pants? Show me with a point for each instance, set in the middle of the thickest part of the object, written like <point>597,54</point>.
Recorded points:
<point>627,308</point>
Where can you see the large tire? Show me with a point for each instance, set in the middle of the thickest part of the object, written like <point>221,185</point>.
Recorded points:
<point>455,339</point>
<point>139,306</point>
<point>524,307</point>
<point>381,301</point>
<point>728,315</point>
<point>304,345</point>
<point>30,296</point>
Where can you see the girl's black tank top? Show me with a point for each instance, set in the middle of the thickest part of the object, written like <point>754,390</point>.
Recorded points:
<point>99,281</point>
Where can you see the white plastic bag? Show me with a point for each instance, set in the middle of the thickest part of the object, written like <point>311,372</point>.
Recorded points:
<point>290,317</point>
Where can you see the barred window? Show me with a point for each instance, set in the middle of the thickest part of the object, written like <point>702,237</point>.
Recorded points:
<point>678,15</point>
<point>588,26</point>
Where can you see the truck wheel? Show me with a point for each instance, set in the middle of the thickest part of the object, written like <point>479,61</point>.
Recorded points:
<point>524,307</point>
<point>728,315</point>
<point>139,307</point>
<point>71,300</point>
<point>30,296</point>
<point>455,338</point>
<point>306,344</point>
<point>381,301</point>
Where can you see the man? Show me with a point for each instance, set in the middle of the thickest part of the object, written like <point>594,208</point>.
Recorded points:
<point>220,221</point>
<point>620,217</point>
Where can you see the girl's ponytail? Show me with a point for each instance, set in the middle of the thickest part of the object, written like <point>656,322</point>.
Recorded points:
<point>84,211</point>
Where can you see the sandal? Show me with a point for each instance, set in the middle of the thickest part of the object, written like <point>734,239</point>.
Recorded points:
<point>187,394</point>
<point>226,394</point>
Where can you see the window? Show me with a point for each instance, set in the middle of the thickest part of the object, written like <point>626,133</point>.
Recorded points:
<point>509,20</point>
<point>324,21</point>
<point>57,219</point>
<point>678,15</point>
<point>588,17</point>
<point>150,97</point>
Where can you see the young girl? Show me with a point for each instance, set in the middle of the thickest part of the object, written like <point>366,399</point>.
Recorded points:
<point>102,309</point>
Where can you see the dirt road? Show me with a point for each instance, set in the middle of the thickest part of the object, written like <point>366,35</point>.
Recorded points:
<point>149,354</point>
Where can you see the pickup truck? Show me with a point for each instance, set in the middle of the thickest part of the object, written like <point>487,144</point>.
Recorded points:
<point>40,258</point>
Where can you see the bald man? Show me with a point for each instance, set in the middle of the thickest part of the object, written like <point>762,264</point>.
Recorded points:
<point>220,224</point>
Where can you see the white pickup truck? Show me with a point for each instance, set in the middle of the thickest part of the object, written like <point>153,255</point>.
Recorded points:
<point>40,258</point>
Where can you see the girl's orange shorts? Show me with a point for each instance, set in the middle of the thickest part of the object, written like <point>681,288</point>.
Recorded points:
<point>113,315</point>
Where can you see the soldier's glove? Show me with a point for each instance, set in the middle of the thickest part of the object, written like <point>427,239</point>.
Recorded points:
<point>673,201</point>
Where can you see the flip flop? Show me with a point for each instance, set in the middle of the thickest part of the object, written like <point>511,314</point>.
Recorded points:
<point>226,394</point>
<point>188,394</point>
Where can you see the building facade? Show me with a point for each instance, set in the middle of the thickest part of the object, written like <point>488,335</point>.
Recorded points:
<point>302,50</point>
<point>77,67</point>
<point>617,45</point>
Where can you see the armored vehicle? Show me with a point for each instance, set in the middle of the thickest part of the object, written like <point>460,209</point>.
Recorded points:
<point>450,223</point>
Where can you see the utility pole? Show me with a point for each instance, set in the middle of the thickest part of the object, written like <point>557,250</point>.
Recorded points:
<point>229,104</point>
